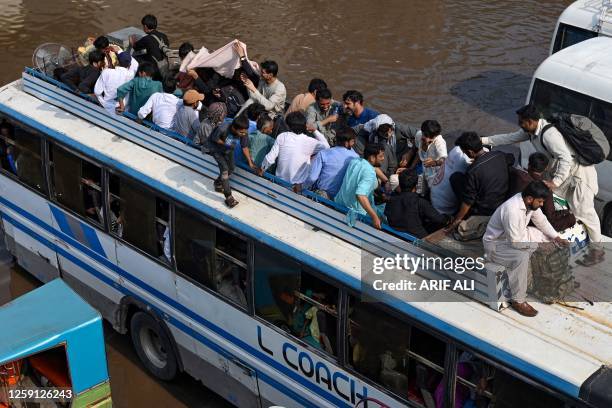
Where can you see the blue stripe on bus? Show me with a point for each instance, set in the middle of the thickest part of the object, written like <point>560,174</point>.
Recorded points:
<point>160,296</point>
<point>61,220</point>
<point>511,360</point>
<point>93,242</point>
<point>92,238</point>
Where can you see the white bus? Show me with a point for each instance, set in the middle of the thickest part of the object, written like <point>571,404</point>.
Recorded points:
<point>582,20</point>
<point>578,80</point>
<point>230,296</point>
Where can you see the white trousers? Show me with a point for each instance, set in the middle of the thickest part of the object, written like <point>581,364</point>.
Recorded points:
<point>580,191</point>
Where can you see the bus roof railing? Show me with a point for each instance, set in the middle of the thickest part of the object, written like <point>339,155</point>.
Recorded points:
<point>308,207</point>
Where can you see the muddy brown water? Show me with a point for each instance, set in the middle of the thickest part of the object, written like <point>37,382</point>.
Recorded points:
<point>466,63</point>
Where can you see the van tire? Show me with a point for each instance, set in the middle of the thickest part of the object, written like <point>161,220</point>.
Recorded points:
<point>153,346</point>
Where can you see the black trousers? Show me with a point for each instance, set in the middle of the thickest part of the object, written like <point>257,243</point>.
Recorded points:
<point>226,162</point>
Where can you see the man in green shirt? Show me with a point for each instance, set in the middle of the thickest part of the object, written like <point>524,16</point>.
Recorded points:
<point>138,89</point>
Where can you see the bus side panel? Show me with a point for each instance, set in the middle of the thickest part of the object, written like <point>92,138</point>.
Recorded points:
<point>27,213</point>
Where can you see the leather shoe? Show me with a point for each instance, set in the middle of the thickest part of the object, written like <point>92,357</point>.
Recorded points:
<point>524,309</point>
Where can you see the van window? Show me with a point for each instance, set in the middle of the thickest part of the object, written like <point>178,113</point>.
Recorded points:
<point>295,300</point>
<point>568,35</point>
<point>76,184</point>
<point>388,351</point>
<point>480,384</point>
<point>550,98</point>
<point>211,256</point>
<point>140,218</point>
<point>20,155</point>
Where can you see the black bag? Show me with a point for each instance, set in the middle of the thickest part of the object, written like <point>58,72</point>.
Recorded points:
<point>553,279</point>
<point>588,141</point>
<point>233,100</point>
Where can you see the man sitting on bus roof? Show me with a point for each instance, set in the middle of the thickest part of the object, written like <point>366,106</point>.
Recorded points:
<point>353,104</point>
<point>292,151</point>
<point>329,165</point>
<point>83,79</point>
<point>187,118</point>
<point>112,78</point>
<point>301,102</point>
<point>569,179</point>
<point>357,190</point>
<point>163,106</point>
<point>509,240</point>
<point>139,89</point>
<point>323,115</point>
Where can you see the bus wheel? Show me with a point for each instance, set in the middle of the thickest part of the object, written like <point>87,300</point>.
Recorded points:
<point>153,346</point>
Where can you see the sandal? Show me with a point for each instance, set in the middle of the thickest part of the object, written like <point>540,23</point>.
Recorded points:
<point>231,202</point>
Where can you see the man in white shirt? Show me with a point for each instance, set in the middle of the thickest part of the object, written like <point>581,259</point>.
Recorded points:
<point>568,178</point>
<point>510,241</point>
<point>292,151</point>
<point>164,107</point>
<point>112,78</point>
<point>443,198</point>
<point>431,149</point>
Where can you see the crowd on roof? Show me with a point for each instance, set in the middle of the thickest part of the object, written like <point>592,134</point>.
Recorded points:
<point>346,152</point>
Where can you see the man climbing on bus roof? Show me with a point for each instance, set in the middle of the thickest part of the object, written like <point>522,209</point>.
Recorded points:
<point>357,190</point>
<point>222,143</point>
<point>353,104</point>
<point>567,177</point>
<point>510,241</point>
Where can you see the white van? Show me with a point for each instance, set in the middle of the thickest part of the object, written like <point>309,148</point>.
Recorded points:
<point>582,20</point>
<point>578,80</point>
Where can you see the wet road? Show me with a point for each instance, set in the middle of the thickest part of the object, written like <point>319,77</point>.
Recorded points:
<point>466,63</point>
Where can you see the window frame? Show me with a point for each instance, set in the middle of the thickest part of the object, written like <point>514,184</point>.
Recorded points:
<point>249,309</point>
<point>562,33</point>
<point>43,158</point>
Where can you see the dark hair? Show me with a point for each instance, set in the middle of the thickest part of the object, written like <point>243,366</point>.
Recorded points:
<point>185,49</point>
<point>408,179</point>
<point>170,84</point>
<point>254,111</point>
<point>296,122</point>
<point>101,42</point>
<point>344,135</point>
<point>316,84</point>
<point>528,112</point>
<point>262,121</point>
<point>372,149</point>
<point>536,189</point>
<point>324,94</point>
<point>353,96</point>
<point>431,128</point>
<point>538,162</point>
<point>271,67</point>
<point>384,128</point>
<point>146,67</point>
<point>149,21</point>
<point>7,125</point>
<point>240,122</point>
<point>96,56</point>
<point>469,141</point>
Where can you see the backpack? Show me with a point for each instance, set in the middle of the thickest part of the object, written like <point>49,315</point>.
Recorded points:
<point>588,141</point>
<point>162,64</point>
<point>553,279</point>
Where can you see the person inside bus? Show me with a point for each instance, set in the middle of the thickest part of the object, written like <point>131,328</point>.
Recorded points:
<point>329,165</point>
<point>292,151</point>
<point>323,115</point>
<point>569,179</point>
<point>357,189</point>
<point>229,282</point>
<point>266,88</point>
<point>116,217</point>
<point>509,240</point>
<point>7,133</point>
<point>301,102</point>
<point>222,143</point>
<point>407,212</point>
<point>138,90</point>
<point>83,79</point>
<point>92,200</point>
<point>481,189</point>
<point>519,179</point>
<point>353,104</point>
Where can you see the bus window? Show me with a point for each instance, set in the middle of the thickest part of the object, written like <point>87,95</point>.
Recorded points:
<point>480,384</point>
<point>140,218</point>
<point>403,359</point>
<point>549,98</point>
<point>568,35</point>
<point>20,155</point>
<point>601,115</point>
<point>76,184</point>
<point>296,301</point>
<point>211,256</point>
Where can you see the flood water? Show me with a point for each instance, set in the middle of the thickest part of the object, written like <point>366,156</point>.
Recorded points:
<point>466,63</point>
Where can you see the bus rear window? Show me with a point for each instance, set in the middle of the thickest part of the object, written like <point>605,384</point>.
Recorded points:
<point>568,35</point>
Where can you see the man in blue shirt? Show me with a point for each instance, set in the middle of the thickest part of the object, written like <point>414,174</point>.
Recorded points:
<point>329,165</point>
<point>353,105</point>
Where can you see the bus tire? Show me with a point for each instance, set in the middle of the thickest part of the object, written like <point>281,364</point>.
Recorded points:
<point>153,346</point>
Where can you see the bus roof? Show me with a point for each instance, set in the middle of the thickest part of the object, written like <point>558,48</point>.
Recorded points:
<point>578,343</point>
<point>585,67</point>
<point>51,316</point>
